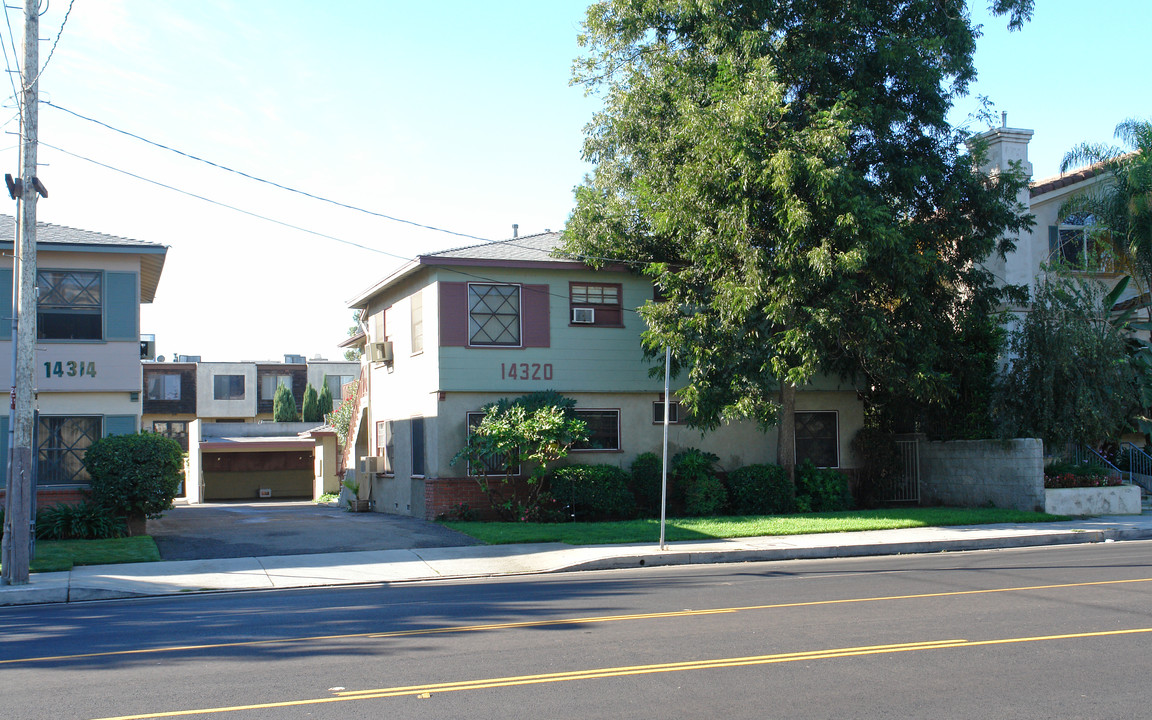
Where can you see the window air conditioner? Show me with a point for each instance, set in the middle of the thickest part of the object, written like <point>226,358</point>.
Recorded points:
<point>584,316</point>
<point>369,465</point>
<point>381,352</point>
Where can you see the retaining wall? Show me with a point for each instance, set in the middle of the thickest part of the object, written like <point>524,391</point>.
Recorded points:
<point>1005,473</point>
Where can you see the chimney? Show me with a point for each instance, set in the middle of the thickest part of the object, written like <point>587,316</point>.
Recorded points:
<point>515,230</point>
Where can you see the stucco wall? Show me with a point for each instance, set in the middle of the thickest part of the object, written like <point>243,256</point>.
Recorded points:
<point>1007,474</point>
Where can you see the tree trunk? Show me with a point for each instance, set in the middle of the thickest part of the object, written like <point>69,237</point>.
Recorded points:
<point>786,442</point>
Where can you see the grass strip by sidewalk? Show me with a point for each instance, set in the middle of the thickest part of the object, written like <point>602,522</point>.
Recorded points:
<point>710,528</point>
<point>57,555</point>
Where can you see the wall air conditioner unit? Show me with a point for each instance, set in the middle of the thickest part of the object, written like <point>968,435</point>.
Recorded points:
<point>380,352</point>
<point>372,465</point>
<point>583,316</point>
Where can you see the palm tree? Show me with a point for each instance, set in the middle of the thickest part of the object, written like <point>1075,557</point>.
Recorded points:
<point>1123,206</point>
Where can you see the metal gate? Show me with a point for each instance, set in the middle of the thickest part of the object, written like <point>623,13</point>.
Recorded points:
<point>906,488</point>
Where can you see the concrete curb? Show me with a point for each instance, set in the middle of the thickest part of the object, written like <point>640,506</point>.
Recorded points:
<point>109,582</point>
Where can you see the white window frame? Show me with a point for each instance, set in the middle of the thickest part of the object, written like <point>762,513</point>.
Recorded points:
<point>475,328</point>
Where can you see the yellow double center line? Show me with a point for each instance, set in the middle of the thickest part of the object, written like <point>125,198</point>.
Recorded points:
<point>425,691</point>
<point>561,621</point>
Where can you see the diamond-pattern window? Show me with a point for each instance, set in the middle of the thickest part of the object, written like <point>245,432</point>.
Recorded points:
<point>61,443</point>
<point>69,305</point>
<point>494,315</point>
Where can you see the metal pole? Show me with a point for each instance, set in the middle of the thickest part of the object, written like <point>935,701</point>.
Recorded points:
<point>18,517</point>
<point>664,468</point>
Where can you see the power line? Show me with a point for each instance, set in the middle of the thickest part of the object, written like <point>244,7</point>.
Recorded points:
<point>56,41</point>
<point>291,226</point>
<point>313,196</point>
<point>7,63</point>
<point>256,178</point>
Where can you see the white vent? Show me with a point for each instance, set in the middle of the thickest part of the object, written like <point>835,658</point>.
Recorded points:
<point>584,316</point>
<point>265,492</point>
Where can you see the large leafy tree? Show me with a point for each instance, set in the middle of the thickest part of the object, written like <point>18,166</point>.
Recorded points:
<point>785,173</point>
<point>1121,206</point>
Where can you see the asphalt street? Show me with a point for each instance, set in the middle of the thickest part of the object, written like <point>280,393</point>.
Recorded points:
<point>1047,632</point>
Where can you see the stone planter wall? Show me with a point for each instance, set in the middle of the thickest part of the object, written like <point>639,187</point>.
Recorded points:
<point>1116,500</point>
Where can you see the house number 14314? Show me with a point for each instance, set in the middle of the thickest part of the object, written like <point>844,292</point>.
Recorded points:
<point>525,371</point>
<point>69,368</point>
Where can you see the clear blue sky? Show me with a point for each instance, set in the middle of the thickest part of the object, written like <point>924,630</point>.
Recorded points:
<point>452,114</point>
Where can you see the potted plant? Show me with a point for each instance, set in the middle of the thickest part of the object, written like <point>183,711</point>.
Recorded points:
<point>355,504</point>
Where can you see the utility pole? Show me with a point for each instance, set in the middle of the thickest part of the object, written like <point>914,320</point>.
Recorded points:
<point>17,541</point>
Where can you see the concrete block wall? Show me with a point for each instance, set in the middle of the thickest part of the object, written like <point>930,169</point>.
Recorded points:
<point>1005,473</point>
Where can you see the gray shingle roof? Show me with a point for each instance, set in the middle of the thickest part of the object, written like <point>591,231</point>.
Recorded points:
<point>64,235</point>
<point>151,254</point>
<point>541,247</point>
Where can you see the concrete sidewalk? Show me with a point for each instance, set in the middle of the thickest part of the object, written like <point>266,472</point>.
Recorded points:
<point>100,582</point>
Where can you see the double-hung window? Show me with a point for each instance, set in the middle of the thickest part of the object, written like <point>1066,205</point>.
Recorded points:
<point>69,306</point>
<point>493,315</point>
<point>817,438</point>
<point>596,304</point>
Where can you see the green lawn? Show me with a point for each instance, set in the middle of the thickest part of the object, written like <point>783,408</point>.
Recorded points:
<point>55,555</point>
<point>637,531</point>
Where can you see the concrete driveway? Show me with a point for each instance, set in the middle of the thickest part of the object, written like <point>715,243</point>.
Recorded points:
<point>232,530</point>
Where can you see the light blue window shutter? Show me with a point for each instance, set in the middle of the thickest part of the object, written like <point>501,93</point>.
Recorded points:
<point>119,425</point>
<point>121,306</point>
<point>5,303</point>
<point>4,446</point>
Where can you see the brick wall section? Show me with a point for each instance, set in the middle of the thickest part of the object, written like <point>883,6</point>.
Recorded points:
<point>1006,473</point>
<point>49,498</point>
<point>444,495</point>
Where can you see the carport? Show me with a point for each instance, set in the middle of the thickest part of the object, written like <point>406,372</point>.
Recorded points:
<point>250,461</point>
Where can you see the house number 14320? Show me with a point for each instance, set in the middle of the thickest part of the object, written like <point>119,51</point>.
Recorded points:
<point>525,371</point>
<point>69,368</point>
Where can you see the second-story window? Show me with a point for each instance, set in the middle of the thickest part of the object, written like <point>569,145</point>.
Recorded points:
<point>163,387</point>
<point>494,315</point>
<point>595,304</point>
<point>1082,244</point>
<point>269,383</point>
<point>69,305</point>
<point>228,387</point>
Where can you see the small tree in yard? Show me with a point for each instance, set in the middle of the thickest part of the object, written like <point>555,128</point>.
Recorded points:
<point>325,400</point>
<point>135,476</point>
<point>538,428</point>
<point>284,405</point>
<point>311,407</point>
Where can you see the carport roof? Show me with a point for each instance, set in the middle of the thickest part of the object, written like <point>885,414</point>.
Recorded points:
<point>248,444</point>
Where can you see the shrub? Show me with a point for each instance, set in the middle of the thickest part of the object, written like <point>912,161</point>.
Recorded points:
<point>645,482</point>
<point>761,490</point>
<point>86,521</point>
<point>284,405</point>
<point>1075,475</point>
<point>705,496</point>
<point>697,486</point>
<point>820,490</point>
<point>593,492</point>
<point>310,411</point>
<point>135,476</point>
